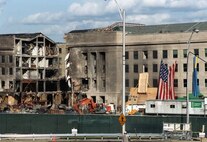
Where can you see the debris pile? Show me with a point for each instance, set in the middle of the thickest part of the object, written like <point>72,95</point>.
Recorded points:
<point>57,103</point>
<point>30,102</point>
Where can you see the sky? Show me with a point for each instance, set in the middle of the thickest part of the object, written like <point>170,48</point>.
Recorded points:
<point>54,18</point>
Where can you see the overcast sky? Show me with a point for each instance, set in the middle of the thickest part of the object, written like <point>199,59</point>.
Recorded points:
<point>56,17</point>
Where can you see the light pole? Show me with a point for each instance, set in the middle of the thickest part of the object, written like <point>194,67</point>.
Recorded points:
<point>188,53</point>
<point>122,15</point>
<point>123,60</point>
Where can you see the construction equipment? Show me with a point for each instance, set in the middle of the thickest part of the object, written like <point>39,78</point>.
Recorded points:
<point>88,106</point>
<point>84,106</point>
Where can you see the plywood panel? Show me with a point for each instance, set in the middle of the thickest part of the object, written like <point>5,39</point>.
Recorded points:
<point>143,82</point>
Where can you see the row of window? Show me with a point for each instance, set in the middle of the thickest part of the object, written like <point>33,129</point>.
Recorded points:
<point>164,54</point>
<point>171,106</point>
<point>197,105</point>
<point>6,59</point>
<point>145,67</point>
<point>155,68</point>
<point>6,71</point>
<point>155,82</point>
<point>3,84</point>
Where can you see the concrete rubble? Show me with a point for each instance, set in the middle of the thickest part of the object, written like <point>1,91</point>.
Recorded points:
<point>31,102</point>
<point>33,81</point>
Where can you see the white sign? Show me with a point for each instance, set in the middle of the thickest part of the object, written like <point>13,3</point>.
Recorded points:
<point>74,131</point>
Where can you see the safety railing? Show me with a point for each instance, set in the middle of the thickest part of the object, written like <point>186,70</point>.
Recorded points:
<point>102,136</point>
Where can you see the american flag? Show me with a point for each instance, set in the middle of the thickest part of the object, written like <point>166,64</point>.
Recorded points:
<point>166,82</point>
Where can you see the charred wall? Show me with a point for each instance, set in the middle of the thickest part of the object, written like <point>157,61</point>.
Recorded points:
<point>93,66</point>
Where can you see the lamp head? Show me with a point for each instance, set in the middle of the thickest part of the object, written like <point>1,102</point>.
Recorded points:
<point>195,30</point>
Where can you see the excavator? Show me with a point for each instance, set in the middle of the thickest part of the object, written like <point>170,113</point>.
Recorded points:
<point>88,106</point>
<point>84,106</point>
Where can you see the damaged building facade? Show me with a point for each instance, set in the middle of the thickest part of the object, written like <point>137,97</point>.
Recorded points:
<point>37,64</point>
<point>95,58</point>
<point>28,63</point>
<point>63,51</point>
<point>93,65</point>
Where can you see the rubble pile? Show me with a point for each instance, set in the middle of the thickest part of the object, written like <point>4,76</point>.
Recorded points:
<point>30,102</point>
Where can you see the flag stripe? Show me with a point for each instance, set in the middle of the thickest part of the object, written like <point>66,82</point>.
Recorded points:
<point>166,82</point>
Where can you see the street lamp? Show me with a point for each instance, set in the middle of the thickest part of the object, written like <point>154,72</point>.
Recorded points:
<point>188,53</point>
<point>122,15</point>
